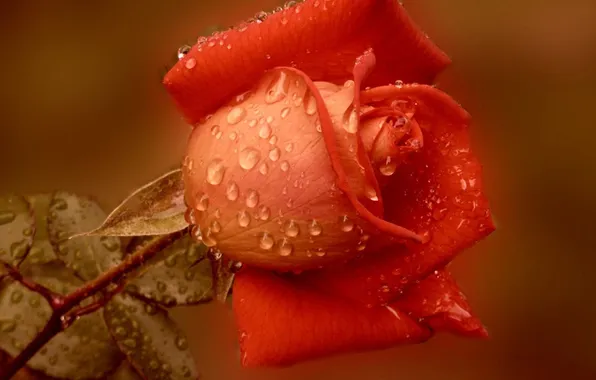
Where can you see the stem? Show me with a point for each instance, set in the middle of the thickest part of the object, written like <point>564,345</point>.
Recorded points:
<point>68,302</point>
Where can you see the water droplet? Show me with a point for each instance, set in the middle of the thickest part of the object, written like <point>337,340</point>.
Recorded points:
<point>208,239</point>
<point>243,218</point>
<point>351,119</point>
<point>291,228</point>
<point>320,253</point>
<point>233,136</point>
<point>285,248</point>
<point>284,166</point>
<point>349,83</point>
<point>264,212</point>
<point>285,112</point>
<point>265,131</point>
<point>191,63</point>
<point>371,193</point>
<point>314,228</point>
<point>264,168</point>
<point>130,343</point>
<point>274,154</point>
<point>289,147</point>
<point>189,216</point>
<point>318,126</point>
<point>214,130</point>
<point>236,115</point>
<point>290,203</point>
<point>310,104</point>
<point>248,158</point>
<point>215,171</point>
<point>252,123</point>
<point>346,224</point>
<point>266,241</point>
<point>183,50</point>
<point>16,296</point>
<point>273,140</point>
<point>260,17</point>
<point>181,343</point>
<point>361,247</point>
<point>269,119</point>
<point>252,198</point>
<point>388,167</point>
<point>7,217</point>
<point>215,226</point>
<point>8,326</point>
<point>399,83</point>
<point>232,191</point>
<point>161,286</point>
<point>278,89</point>
<point>202,202</point>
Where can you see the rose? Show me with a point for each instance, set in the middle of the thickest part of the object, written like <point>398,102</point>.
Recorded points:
<point>356,197</point>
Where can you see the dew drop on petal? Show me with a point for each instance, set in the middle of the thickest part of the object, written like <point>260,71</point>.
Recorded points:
<point>266,241</point>
<point>274,154</point>
<point>314,228</point>
<point>284,247</point>
<point>232,191</point>
<point>310,104</point>
<point>207,238</point>
<point>215,226</point>
<point>284,166</point>
<point>346,224</point>
<point>236,115</point>
<point>285,112</point>
<point>371,193</point>
<point>202,202</point>
<point>265,131</point>
<point>215,171</point>
<point>252,198</point>
<point>388,167</point>
<point>214,130</point>
<point>243,218</point>
<point>278,88</point>
<point>289,147</point>
<point>264,168</point>
<point>191,63</point>
<point>273,140</point>
<point>264,213</point>
<point>248,158</point>
<point>291,228</point>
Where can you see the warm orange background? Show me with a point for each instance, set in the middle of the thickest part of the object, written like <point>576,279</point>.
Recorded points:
<point>82,108</point>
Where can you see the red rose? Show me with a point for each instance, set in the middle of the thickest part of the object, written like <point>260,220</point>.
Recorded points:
<point>296,164</point>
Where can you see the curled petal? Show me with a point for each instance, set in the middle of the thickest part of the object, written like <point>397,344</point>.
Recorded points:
<point>320,37</point>
<point>439,190</point>
<point>282,321</point>
<point>439,303</point>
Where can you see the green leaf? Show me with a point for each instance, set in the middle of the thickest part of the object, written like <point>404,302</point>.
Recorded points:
<point>88,256</point>
<point>152,342</point>
<point>155,209</point>
<point>175,279</point>
<point>17,227</point>
<point>85,350</point>
<point>42,251</point>
<point>125,372</point>
<point>223,275</point>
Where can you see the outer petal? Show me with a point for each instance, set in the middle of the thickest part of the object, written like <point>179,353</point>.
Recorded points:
<point>283,321</point>
<point>440,304</point>
<point>320,37</point>
<point>439,191</point>
<point>260,178</point>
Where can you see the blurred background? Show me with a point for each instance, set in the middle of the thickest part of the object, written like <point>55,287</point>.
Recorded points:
<point>82,109</point>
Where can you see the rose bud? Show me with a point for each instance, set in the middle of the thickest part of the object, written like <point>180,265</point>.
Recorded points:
<point>307,156</point>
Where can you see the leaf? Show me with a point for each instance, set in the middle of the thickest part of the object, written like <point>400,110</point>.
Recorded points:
<point>24,373</point>
<point>152,342</point>
<point>125,372</point>
<point>223,275</point>
<point>155,209</point>
<point>88,256</point>
<point>17,227</point>
<point>42,251</point>
<point>85,350</point>
<point>175,280</point>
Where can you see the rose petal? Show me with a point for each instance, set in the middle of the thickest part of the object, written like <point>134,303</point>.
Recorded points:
<point>260,181</point>
<point>439,191</point>
<point>440,304</point>
<point>320,37</point>
<point>282,321</point>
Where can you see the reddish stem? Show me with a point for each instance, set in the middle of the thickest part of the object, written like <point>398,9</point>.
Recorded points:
<point>63,315</point>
